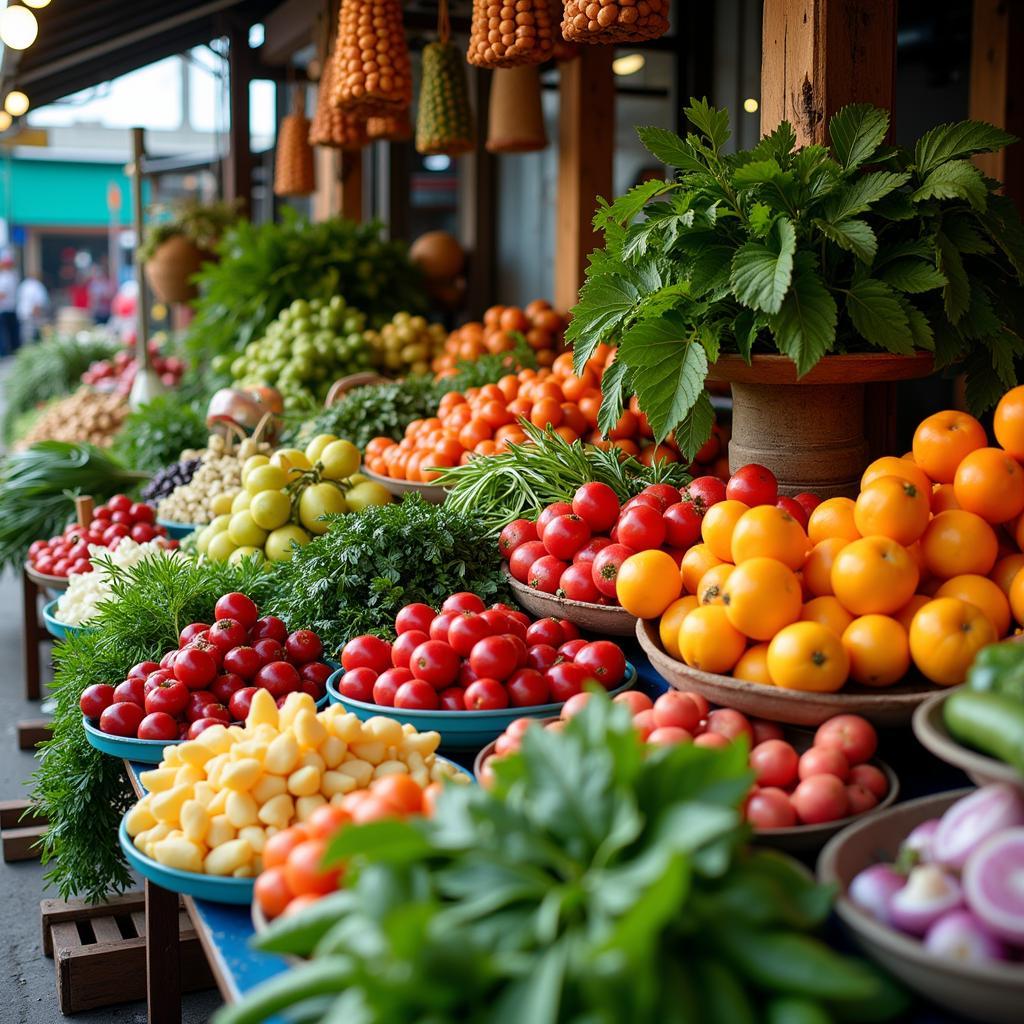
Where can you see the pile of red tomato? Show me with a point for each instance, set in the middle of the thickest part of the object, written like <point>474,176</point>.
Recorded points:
<point>468,657</point>
<point>211,676</point>
<point>118,374</point>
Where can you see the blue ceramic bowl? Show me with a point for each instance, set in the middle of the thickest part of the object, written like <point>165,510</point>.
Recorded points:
<point>189,883</point>
<point>461,730</point>
<point>57,629</point>
<point>177,531</point>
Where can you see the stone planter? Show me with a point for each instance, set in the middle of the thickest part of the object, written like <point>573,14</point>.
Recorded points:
<point>810,432</point>
<point>169,270</point>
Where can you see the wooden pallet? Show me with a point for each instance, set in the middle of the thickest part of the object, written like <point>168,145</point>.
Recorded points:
<point>33,731</point>
<point>20,832</point>
<point>99,951</point>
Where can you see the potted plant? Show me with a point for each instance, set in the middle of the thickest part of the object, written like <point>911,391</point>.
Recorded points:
<point>776,268</point>
<point>176,246</point>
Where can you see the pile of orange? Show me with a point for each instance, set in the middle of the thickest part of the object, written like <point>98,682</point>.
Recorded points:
<point>923,568</point>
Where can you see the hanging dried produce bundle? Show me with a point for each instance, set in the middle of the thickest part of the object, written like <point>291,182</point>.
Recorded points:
<point>508,33</point>
<point>444,121</point>
<point>293,167</point>
<point>393,128</point>
<point>331,125</point>
<point>515,121</point>
<point>614,21</point>
<point>563,49</point>
<point>371,58</point>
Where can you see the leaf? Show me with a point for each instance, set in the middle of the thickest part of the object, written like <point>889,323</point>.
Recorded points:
<point>950,344</point>
<point>1002,359</point>
<point>760,218</point>
<point>713,123</point>
<point>854,235</point>
<point>859,194</point>
<point>919,326</point>
<point>777,145</point>
<point>961,231</point>
<point>805,326</point>
<point>744,329</point>
<point>627,206</point>
<point>666,146</point>
<point>708,334</point>
<point>1003,224</point>
<point>758,172</point>
<point>947,141</point>
<point>669,368</point>
<point>957,294</point>
<point>663,299</point>
<point>984,386</point>
<point>613,395</point>
<point>857,131</point>
<point>878,316</point>
<point>710,268</point>
<point>761,275</point>
<point>696,428</point>
<point>605,302</point>
<point>958,179</point>
<point>913,276</point>
<point>535,999</point>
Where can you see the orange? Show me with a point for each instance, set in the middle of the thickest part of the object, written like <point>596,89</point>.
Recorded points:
<point>708,641</point>
<point>890,465</point>
<point>943,440</point>
<point>958,542</point>
<point>990,483</point>
<point>712,583</point>
<point>648,582</point>
<point>878,650</point>
<point>1008,422</point>
<point>1005,571</point>
<point>983,593</point>
<point>769,532</point>
<point>818,567</point>
<point>753,666</point>
<point>717,525</point>
<point>695,563</point>
<point>761,596</point>
<point>808,656</point>
<point>943,498</point>
<point>945,635</point>
<point>1016,597</point>
<point>832,518</point>
<point>874,574</point>
<point>829,612</point>
<point>671,620</point>
<point>892,507</point>
<point>906,614</point>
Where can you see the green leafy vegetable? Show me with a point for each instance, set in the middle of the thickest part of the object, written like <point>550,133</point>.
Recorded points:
<point>156,435</point>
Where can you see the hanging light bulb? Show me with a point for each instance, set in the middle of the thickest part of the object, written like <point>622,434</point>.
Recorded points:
<point>16,103</point>
<point>5,120</point>
<point>37,4</point>
<point>18,27</point>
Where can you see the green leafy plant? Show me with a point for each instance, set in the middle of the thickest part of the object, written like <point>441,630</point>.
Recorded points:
<point>594,882</point>
<point>203,224</point>
<point>156,434</point>
<point>805,252</point>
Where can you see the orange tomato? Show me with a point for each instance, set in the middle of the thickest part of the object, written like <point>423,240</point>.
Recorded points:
<point>671,620</point>
<point>943,498</point>
<point>832,518</point>
<point>943,440</point>
<point>769,532</point>
<point>874,574</point>
<point>878,649</point>
<point>1008,422</point>
<point>990,483</point>
<point>753,666</point>
<point>983,593</point>
<point>808,656</point>
<point>280,844</point>
<point>818,567</point>
<point>547,412</point>
<point>399,790</point>
<point>708,640</point>
<point>694,564</point>
<point>304,871</point>
<point>906,614</point>
<point>712,584</point>
<point>1004,572</point>
<point>890,465</point>
<point>627,427</point>
<point>647,583</point>
<point>892,507</point>
<point>945,635</point>
<point>761,596</point>
<point>828,612</point>
<point>718,524</point>
<point>957,543</point>
<point>271,891</point>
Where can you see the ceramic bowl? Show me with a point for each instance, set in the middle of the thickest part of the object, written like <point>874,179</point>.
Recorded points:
<point>399,488</point>
<point>57,629</point>
<point>177,531</point>
<point>599,619</point>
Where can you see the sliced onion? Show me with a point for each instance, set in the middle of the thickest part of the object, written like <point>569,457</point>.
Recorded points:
<point>929,893</point>
<point>972,820</point>
<point>918,843</point>
<point>994,884</point>
<point>961,936</point>
<point>873,889</point>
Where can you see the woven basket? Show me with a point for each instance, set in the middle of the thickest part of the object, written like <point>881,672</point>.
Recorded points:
<point>373,75</point>
<point>394,128</point>
<point>526,37</point>
<point>293,165</point>
<point>444,120</point>
<point>621,21</point>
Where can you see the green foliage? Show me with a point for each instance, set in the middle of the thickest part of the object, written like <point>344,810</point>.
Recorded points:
<point>594,882</point>
<point>203,224</point>
<point>155,435</point>
<point>356,577</point>
<point>805,252</point>
<point>82,792</point>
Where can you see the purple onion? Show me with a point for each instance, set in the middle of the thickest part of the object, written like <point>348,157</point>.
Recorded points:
<point>961,936</point>
<point>873,889</point>
<point>994,884</point>
<point>929,893</point>
<point>970,821</point>
<point>918,844</point>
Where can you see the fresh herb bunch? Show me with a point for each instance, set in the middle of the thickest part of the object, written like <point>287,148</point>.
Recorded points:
<point>356,577</point>
<point>155,435</point>
<point>806,251</point>
<point>39,486</point>
<point>49,369</point>
<point>203,224</point>
<point>82,792</point>
<point>521,480</point>
<point>593,882</point>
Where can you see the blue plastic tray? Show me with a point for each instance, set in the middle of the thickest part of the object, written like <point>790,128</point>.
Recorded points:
<point>462,730</point>
<point>56,628</point>
<point>177,531</point>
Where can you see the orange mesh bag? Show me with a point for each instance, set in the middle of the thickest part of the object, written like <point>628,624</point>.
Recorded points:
<point>372,69</point>
<point>614,21</point>
<point>293,162</point>
<point>507,33</point>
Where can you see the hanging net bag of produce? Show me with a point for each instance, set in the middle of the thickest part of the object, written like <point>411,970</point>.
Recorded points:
<point>504,34</point>
<point>564,50</point>
<point>373,73</point>
<point>444,121</point>
<point>621,21</point>
<point>393,128</point>
<point>332,126</point>
<point>293,166</point>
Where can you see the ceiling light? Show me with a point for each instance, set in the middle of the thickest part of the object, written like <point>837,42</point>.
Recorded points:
<point>37,4</point>
<point>629,64</point>
<point>18,27</point>
<point>16,103</point>
<point>750,105</point>
<point>5,120</point>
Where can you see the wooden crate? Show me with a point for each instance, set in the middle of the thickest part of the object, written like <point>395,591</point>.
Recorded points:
<point>99,951</point>
<point>19,834</point>
<point>32,732</point>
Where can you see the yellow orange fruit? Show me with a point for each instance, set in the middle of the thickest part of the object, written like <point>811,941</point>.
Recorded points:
<point>943,440</point>
<point>818,567</point>
<point>990,483</point>
<point>906,614</point>
<point>892,507</point>
<point>983,593</point>
<point>1005,571</point>
<point>874,575</point>
<point>1008,422</point>
<point>717,525</point>
<point>945,635</point>
<point>943,498</point>
<point>890,465</point>
<point>956,543</point>
<point>827,611</point>
<point>695,563</point>
<point>761,596</point>
<point>712,584</point>
<point>753,666</point>
<point>647,583</point>
<point>832,518</point>
<point>671,620</point>
<point>708,641</point>
<point>808,656</point>
<point>769,532</point>
<point>878,649</point>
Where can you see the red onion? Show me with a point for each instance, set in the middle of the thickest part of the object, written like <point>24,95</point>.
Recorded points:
<point>993,880</point>
<point>929,893</point>
<point>961,936</point>
<point>919,842</point>
<point>972,820</point>
<point>873,889</point>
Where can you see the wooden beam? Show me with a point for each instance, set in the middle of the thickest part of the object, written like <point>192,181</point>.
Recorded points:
<point>352,185</point>
<point>238,165</point>
<point>997,87</point>
<point>477,205</point>
<point>819,55</point>
<point>586,136</point>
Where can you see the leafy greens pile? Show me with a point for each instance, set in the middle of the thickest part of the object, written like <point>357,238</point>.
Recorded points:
<point>592,883</point>
<point>810,251</point>
<point>156,434</point>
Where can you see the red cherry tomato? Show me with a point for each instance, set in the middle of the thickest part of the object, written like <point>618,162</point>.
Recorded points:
<point>635,700</point>
<point>238,607</point>
<point>404,645</point>
<point>729,723</point>
<point>558,508</point>
<point>225,685</point>
<point>158,725</point>
<point>242,661</point>
<point>121,719</point>
<point>853,735</point>
<point>195,668</point>
<point>642,528</point>
<point>753,485</point>
<point>467,630</point>
<point>523,558</point>
<point>794,508</point>
<point>142,670</point>
<point>131,691</point>
<point>227,634</point>
<point>270,627</point>
<point>463,602</point>
<point>860,798</point>
<point>577,584</point>
<point>303,645</point>
<point>169,697</point>
<point>190,632</point>
<point>565,535</point>
<point>416,617</point>
<point>871,778</point>
<point>546,573</point>
<point>820,798</point>
<point>774,763</point>
<point>565,679</point>
<point>279,677</point>
<point>545,631</point>
<point>705,491</point>
<point>807,501</point>
<point>416,695</point>
<point>435,662</point>
<point>764,730</point>
<point>541,656</point>
<point>304,870</point>
<point>268,650</point>
<point>571,648</point>
<point>199,699</point>
<point>665,493</point>
<point>605,660</point>
<point>597,505</point>
<point>770,808</point>
<point>676,709</point>
<point>527,688</point>
<point>366,652</point>
<point>200,725</point>
<point>452,699</point>
<point>95,699</point>
<point>606,565</point>
<point>440,626</point>
<point>518,532</point>
<point>682,524</point>
<point>587,553</point>
<point>494,657</point>
<point>485,695</point>
<point>824,761</point>
<point>357,684</point>
<point>669,736</point>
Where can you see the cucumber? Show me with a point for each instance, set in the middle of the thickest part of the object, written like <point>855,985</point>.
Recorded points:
<point>988,722</point>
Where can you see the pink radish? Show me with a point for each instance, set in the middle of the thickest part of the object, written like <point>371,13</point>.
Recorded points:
<point>993,879</point>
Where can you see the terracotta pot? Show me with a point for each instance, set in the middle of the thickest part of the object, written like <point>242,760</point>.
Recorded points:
<point>809,432</point>
<point>515,123</point>
<point>170,268</point>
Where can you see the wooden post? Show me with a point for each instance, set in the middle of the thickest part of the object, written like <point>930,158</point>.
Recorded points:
<point>31,634</point>
<point>819,55</point>
<point>586,135</point>
<point>352,185</point>
<point>163,967</point>
<point>997,81</point>
<point>238,166</point>
<point>326,200</point>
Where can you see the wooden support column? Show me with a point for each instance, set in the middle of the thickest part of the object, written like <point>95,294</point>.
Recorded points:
<point>326,200</point>
<point>997,87</point>
<point>352,185</point>
<point>586,140</point>
<point>239,162</point>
